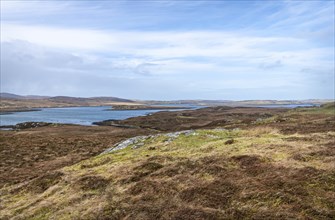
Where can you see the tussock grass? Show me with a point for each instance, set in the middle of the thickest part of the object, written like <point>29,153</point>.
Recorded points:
<point>262,174</point>
<point>328,108</point>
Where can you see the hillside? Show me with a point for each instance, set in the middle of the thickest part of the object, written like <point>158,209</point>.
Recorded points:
<point>76,100</point>
<point>245,103</point>
<point>12,103</point>
<point>5,95</point>
<point>268,169</point>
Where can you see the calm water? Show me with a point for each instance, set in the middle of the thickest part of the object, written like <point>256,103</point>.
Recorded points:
<point>72,115</point>
<point>87,115</point>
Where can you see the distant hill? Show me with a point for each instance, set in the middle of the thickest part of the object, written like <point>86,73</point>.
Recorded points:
<point>10,96</point>
<point>14,96</point>
<point>36,97</point>
<point>111,99</point>
<point>11,101</point>
<point>64,99</point>
<point>238,103</point>
<point>68,99</point>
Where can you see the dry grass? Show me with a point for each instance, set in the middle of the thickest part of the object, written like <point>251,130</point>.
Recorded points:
<point>263,174</point>
<point>281,168</point>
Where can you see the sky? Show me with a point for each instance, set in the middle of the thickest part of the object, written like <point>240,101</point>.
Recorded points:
<point>169,50</point>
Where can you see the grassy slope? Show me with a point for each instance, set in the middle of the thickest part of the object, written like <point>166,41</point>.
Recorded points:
<point>263,174</point>
<point>8,105</point>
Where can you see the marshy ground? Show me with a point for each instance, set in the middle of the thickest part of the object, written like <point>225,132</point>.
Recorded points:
<point>240,163</point>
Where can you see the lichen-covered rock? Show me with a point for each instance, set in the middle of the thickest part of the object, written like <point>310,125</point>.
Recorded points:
<point>126,143</point>
<point>138,141</point>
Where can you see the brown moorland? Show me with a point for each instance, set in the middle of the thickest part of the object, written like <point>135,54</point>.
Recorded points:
<point>239,163</point>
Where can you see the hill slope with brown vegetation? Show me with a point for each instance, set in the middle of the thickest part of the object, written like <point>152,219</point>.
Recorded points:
<point>14,103</point>
<point>269,168</point>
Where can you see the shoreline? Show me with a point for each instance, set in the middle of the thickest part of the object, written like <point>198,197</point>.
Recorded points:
<point>120,122</point>
<point>12,111</point>
<point>145,107</point>
<point>121,107</point>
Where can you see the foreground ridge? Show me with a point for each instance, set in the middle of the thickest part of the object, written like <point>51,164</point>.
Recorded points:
<point>217,173</point>
<point>251,165</point>
<point>138,141</point>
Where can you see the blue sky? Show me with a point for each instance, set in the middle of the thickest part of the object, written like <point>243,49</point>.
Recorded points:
<point>169,49</point>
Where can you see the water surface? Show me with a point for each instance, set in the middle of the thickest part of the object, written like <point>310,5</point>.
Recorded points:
<point>73,115</point>
<point>88,115</point>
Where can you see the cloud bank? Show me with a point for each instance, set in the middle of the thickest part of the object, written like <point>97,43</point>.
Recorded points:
<point>288,54</point>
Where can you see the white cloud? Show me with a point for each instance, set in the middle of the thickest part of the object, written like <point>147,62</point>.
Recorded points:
<point>162,44</point>
<point>162,53</point>
<point>61,38</point>
<point>18,7</point>
<point>270,53</point>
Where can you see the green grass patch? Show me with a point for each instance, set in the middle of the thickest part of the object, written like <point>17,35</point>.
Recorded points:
<point>328,108</point>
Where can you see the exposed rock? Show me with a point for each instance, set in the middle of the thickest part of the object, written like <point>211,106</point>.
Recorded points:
<point>26,125</point>
<point>138,141</point>
<point>126,143</point>
<point>173,135</point>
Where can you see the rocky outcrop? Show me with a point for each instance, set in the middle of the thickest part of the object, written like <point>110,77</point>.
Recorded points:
<point>26,125</point>
<point>138,141</point>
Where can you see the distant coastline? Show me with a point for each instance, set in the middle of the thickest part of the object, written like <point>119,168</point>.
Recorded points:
<point>144,107</point>
<point>11,103</point>
<point>12,111</point>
